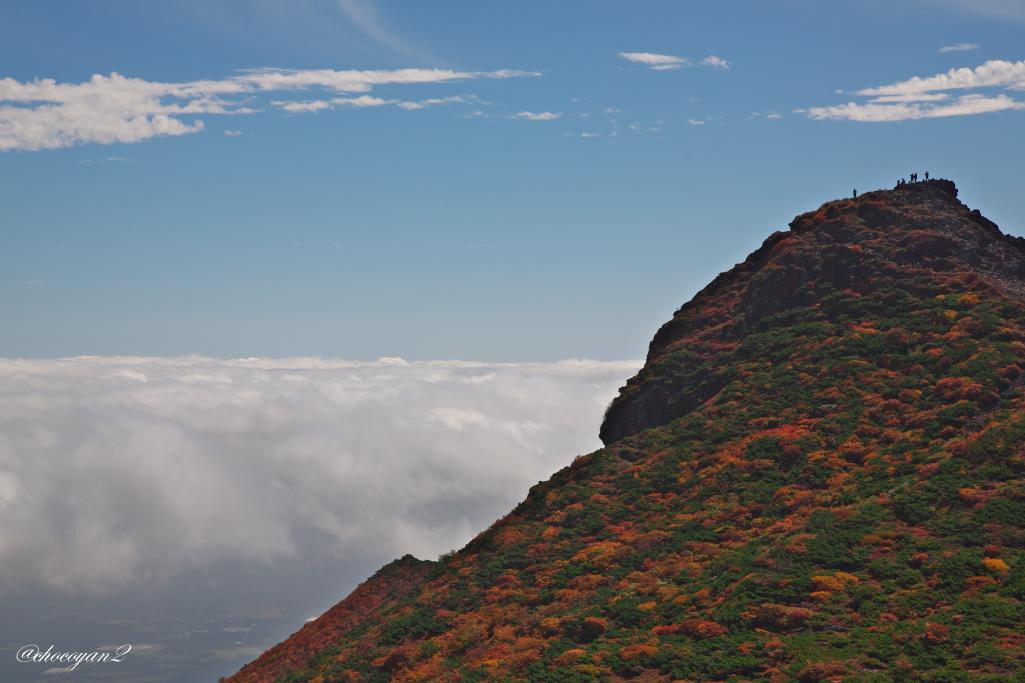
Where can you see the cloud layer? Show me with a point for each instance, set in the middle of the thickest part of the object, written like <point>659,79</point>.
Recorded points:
<point>45,114</point>
<point>935,96</point>
<point>114,470</point>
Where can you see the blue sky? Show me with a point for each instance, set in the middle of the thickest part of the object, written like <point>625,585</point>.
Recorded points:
<point>294,178</point>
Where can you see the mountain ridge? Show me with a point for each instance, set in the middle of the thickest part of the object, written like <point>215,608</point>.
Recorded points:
<point>630,412</point>
<point>818,475</point>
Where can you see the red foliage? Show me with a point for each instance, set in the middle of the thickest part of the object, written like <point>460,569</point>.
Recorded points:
<point>958,388</point>
<point>781,617</point>
<point>702,628</point>
<point>937,633</point>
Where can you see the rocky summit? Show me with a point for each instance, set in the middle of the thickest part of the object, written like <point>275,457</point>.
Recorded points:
<point>818,475</point>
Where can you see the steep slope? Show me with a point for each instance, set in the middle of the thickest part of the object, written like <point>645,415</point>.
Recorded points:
<point>818,474</point>
<point>392,583</point>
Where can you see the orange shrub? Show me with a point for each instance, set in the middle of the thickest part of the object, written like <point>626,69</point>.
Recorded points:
<point>957,388</point>
<point>833,583</point>
<point>937,633</point>
<point>995,564</point>
<point>702,628</point>
<point>815,672</point>
<point>638,650</point>
<point>569,657</point>
<point>781,617</point>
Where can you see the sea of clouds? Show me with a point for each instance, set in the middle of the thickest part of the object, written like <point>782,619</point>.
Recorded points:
<point>120,470</point>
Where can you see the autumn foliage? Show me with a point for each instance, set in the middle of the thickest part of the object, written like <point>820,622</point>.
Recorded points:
<point>819,475</point>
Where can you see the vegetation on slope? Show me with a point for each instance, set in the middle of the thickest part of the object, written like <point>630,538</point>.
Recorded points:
<point>842,496</point>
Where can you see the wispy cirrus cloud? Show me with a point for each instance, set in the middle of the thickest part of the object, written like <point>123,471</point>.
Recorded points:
<point>653,60</point>
<point>993,9</point>
<point>536,116</point>
<point>934,96</point>
<point>109,160</point>
<point>45,114</point>
<point>965,105</point>
<point>364,101</point>
<point>663,62</point>
<point>959,47</point>
<point>364,16</point>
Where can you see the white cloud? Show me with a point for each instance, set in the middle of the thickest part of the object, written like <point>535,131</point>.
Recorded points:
<point>775,116</point>
<point>660,62</point>
<point>912,97</point>
<point>536,116</point>
<point>994,73</point>
<point>45,114</point>
<point>875,112</point>
<point>361,81</point>
<point>959,47</point>
<point>232,133</point>
<point>929,97</point>
<point>716,62</point>
<point>696,122</point>
<point>434,101</point>
<point>587,135</point>
<point>114,470</point>
<point>298,107</point>
<point>308,106</point>
<point>655,61</point>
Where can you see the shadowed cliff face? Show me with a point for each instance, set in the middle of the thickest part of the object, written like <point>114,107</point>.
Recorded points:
<point>836,248</point>
<point>819,474</point>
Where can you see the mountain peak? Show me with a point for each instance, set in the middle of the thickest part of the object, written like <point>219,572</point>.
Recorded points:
<point>844,245</point>
<point>935,195</point>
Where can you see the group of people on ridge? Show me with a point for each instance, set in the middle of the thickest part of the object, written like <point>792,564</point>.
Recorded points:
<point>900,183</point>
<point>914,179</point>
